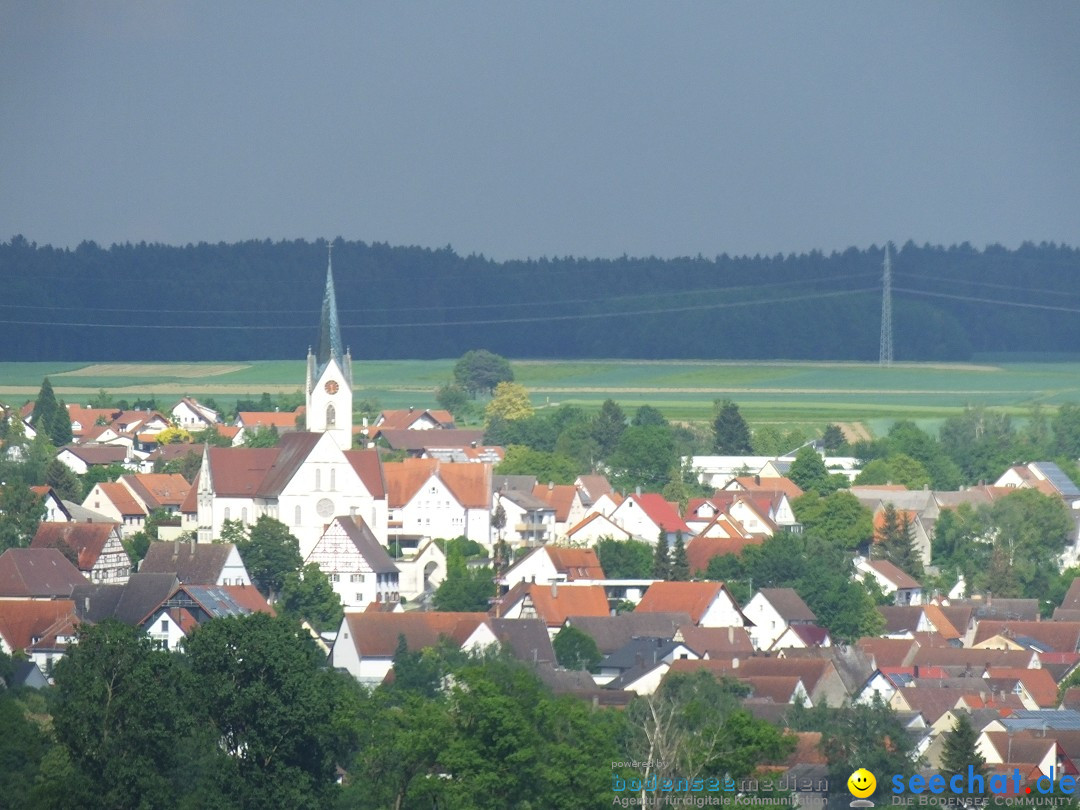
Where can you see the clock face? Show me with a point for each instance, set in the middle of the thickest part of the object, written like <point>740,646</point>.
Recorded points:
<point>331,386</point>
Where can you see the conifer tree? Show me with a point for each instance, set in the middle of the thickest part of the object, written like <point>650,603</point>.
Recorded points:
<point>661,568</point>
<point>961,751</point>
<point>680,565</point>
<point>731,434</point>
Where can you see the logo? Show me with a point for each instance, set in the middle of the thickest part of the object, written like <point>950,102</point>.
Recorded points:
<point>861,784</point>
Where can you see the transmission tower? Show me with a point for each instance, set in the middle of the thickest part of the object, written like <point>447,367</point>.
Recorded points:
<point>885,357</point>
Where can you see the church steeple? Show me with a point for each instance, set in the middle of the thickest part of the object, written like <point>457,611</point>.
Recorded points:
<point>330,346</point>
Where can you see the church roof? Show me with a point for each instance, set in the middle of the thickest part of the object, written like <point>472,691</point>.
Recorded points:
<point>293,450</point>
<point>330,344</point>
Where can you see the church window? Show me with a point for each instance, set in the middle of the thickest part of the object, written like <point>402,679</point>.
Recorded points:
<point>331,417</point>
<point>296,516</point>
<point>333,478</point>
<point>227,512</point>
<point>243,515</point>
<point>318,479</point>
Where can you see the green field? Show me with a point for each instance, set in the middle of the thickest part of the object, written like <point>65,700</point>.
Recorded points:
<point>777,392</point>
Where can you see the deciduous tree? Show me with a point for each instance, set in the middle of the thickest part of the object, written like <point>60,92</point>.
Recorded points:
<point>479,371</point>
<point>270,553</point>
<point>308,595</point>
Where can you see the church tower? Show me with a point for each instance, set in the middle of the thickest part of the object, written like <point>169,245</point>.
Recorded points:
<point>329,373</point>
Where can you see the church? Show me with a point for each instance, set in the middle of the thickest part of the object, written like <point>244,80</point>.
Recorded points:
<point>313,475</point>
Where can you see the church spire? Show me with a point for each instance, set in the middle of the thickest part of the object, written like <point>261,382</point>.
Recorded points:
<point>330,344</point>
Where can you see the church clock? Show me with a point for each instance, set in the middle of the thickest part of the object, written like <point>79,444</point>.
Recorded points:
<point>331,387</point>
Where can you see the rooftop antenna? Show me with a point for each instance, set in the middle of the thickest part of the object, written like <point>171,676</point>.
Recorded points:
<point>885,356</point>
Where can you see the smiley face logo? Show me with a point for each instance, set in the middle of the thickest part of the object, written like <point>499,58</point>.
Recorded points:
<point>861,783</point>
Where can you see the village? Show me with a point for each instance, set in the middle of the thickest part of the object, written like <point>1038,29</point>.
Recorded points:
<point>379,531</point>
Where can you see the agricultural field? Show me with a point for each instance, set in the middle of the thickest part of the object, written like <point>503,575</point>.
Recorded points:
<point>866,397</point>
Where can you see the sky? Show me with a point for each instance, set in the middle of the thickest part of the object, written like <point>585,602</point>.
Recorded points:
<point>521,129</point>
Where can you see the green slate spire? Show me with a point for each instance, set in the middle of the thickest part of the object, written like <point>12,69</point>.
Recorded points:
<point>330,345</point>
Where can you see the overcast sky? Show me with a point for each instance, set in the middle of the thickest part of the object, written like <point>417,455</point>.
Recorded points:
<point>523,129</point>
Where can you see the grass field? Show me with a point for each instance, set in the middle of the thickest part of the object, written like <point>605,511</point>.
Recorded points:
<point>784,393</point>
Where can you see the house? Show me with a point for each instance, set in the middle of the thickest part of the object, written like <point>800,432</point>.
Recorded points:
<point>207,564</point>
<point>528,520</point>
<point>37,573</point>
<point>772,611</point>
<point>641,653</point>
<point>819,676</point>
<point>592,487</point>
<point>525,639</point>
<point>548,564</point>
<point>164,492</point>
<point>366,642</point>
<point>645,516</point>
<point>1045,476</point>
<point>95,548</point>
<point>1059,636</point>
<point>428,498</point>
<point>917,530</point>
<point>55,509</point>
<point>566,500</point>
<point>360,570</point>
<point>894,581</point>
<point>709,604</point>
<point>253,421</point>
<point>802,637</point>
<point>192,415</point>
<point>612,632</point>
<point>414,419</point>
<point>40,629</point>
<point>415,442</point>
<point>130,603</point>
<point>188,606</point>
<point>756,483</point>
<point>80,458</point>
<point>702,549</point>
<point>552,603</point>
<point>594,528</point>
<point>116,502</point>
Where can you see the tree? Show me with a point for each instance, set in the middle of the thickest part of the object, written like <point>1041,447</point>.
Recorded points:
<point>644,457</point>
<point>866,735</point>
<point>139,543</point>
<point>661,568</point>
<point>833,437</point>
<point>608,427</point>
<point>1066,428</point>
<point>64,481</point>
<point>837,519</point>
<point>498,519</point>
<point>731,434</point>
<point>547,467</point>
<point>680,565</point>
<point>896,468</point>
<point>308,595</point>
<point>575,649</point>
<point>272,706</point>
<point>961,751</point>
<point>173,434</point>
<point>809,472</point>
<point>895,540</point>
<point>480,371</point>
<point>262,437</point>
<point>270,553</point>
<point>624,559</point>
<point>464,589</point>
<point>21,510</point>
<point>454,398</point>
<point>51,417</point>
<point>22,747</point>
<point>510,403</point>
<point>648,416</point>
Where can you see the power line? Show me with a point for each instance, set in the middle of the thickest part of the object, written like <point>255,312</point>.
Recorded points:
<point>975,300</point>
<point>485,322</point>
<point>984,284</point>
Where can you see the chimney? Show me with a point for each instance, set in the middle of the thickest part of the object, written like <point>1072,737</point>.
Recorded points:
<point>916,670</point>
<point>551,486</point>
<point>411,409</point>
<point>757,479</point>
<point>554,589</point>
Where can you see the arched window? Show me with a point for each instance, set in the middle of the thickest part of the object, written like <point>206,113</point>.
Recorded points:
<point>226,513</point>
<point>296,516</point>
<point>331,417</point>
<point>243,515</point>
<point>333,479</point>
<point>318,479</point>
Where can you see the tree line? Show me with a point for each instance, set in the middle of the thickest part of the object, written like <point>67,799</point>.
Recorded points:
<point>261,299</point>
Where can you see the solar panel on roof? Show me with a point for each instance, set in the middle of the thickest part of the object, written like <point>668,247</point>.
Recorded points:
<point>1062,483</point>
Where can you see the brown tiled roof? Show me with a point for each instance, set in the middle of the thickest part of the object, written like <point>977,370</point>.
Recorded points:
<point>593,486</point>
<point>755,483</point>
<point>376,634</point>
<point>122,499</point>
<point>559,496</point>
<point>1058,636</point>
<point>1021,746</point>
<point>931,703</point>
<point>788,604</point>
<point>22,620</point>
<point>86,540</point>
<point>1072,596</point>
<point>901,618</point>
<point>975,659</point>
<point>293,450</point>
<point>369,467</point>
<point>896,575</point>
<point>889,652</point>
<point>700,550</point>
<point>266,419</point>
<point>364,540</point>
<point>237,472</point>
<point>527,639</point>
<point>693,598</point>
<point>777,688</point>
<point>613,632</point>
<point>249,598</point>
<point>716,642</point>
<point>403,419</point>
<point>419,439</point>
<point>37,573</point>
<point>98,454</point>
<point>809,670</point>
<point>469,483</point>
<point>1038,683</point>
<point>193,563</point>
<point>158,490</point>
<point>575,563</point>
<point>940,620</point>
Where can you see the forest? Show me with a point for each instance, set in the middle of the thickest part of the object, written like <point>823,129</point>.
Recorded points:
<point>260,299</point>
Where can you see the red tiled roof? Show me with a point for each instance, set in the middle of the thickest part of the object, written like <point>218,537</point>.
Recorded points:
<point>1038,683</point>
<point>238,471</point>
<point>369,467</point>
<point>755,483</point>
<point>575,563</point>
<point>122,499</point>
<point>693,598</point>
<point>701,549</point>
<point>248,596</point>
<point>376,634</point>
<point>404,419</point>
<point>37,572</point>
<point>553,604</point>
<point>470,483</point>
<point>559,496</point>
<point>22,620</point>
<point>158,490</point>
<point>266,419</point>
<point>1058,636</point>
<point>86,540</point>
<point>662,512</point>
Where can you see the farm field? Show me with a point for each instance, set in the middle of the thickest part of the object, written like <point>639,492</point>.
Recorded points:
<point>785,393</point>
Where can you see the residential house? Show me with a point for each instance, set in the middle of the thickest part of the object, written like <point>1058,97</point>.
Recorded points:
<point>164,492</point>
<point>207,564</point>
<point>917,531</point>
<point>701,549</point>
<point>1059,636</point>
<point>548,564</point>
<point>95,548</point>
<point>415,442</point>
<point>594,528</point>
<point>771,611</point>
<point>188,606</point>
<point>39,629</point>
<point>192,415</point>
<point>421,569</point>
<point>360,570</point>
<point>709,604</point>
<point>645,516</point>
<point>55,510</point>
<point>528,520</point>
<point>249,422</point>
<point>415,419</point>
<point>1045,476</point>
<point>366,642</point>
<point>431,499</point>
<point>893,581</point>
<point>552,603</point>
<point>80,458</point>
<point>611,632</point>
<point>567,502</point>
<point>116,502</point>
<point>642,654</point>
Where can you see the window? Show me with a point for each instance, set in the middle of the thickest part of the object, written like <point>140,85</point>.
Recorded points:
<point>318,479</point>
<point>164,625</point>
<point>359,597</point>
<point>243,515</point>
<point>335,577</point>
<point>296,516</point>
<point>228,512</point>
<point>333,478</point>
<point>356,577</point>
<point>331,417</point>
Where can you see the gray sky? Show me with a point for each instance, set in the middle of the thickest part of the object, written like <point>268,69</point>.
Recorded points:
<point>520,129</point>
